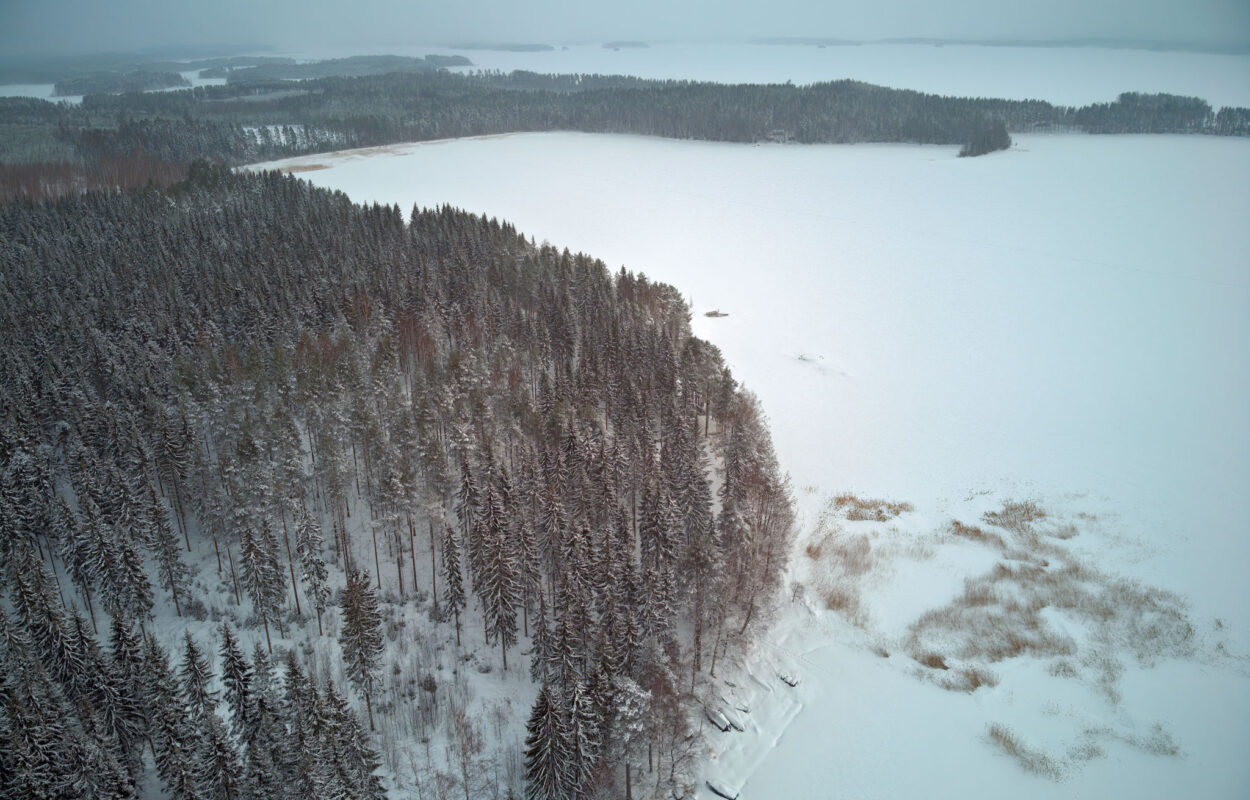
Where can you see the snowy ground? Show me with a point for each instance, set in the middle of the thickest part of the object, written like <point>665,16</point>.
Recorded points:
<point>1066,322</point>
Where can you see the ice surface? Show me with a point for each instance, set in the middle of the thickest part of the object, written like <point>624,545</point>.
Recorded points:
<point>42,91</point>
<point>1067,321</point>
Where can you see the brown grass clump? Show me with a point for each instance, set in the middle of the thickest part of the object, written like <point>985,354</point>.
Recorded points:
<point>840,560</point>
<point>1158,743</point>
<point>304,168</point>
<point>1062,669</point>
<point>1015,516</point>
<point>843,600</point>
<point>969,679</point>
<point>1035,761</point>
<point>976,534</point>
<point>859,509</point>
<point>933,660</point>
<point>1064,532</point>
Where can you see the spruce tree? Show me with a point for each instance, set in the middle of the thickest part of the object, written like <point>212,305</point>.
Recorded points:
<point>262,575</point>
<point>173,741</point>
<point>453,578</point>
<point>353,757</point>
<point>584,727</point>
<point>196,675</point>
<point>548,774</point>
<point>308,544</point>
<point>500,593</point>
<point>541,646</point>
<point>167,550</point>
<point>236,680</point>
<point>361,637</point>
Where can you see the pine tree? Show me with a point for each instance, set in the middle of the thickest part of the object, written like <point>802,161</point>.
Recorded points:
<point>547,752</point>
<point>361,638</point>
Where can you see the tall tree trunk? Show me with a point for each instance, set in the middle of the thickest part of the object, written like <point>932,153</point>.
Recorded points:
<point>399,564</point>
<point>217,550</point>
<point>234,578</point>
<point>173,589</point>
<point>377,562</point>
<point>86,591</point>
<point>433,564</point>
<point>290,562</point>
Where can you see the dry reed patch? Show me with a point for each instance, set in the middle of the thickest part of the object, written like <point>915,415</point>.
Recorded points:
<point>1033,760</point>
<point>1015,516</point>
<point>975,534</point>
<point>1062,668</point>
<point>304,168</point>
<point>1063,532</point>
<point>860,509</point>
<point>840,561</point>
<point>1157,742</point>
<point>968,679</point>
<point>1000,615</point>
<point>844,600</point>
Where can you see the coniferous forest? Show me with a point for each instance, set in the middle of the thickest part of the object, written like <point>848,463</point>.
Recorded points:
<point>47,149</point>
<point>279,472</point>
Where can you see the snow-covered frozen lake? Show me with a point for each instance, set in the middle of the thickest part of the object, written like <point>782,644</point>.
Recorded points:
<point>1068,321</point>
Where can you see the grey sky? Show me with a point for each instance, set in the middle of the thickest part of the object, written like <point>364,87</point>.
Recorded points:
<point>55,26</point>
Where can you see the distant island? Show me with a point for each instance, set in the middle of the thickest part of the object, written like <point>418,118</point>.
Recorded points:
<point>626,45</point>
<point>353,67</point>
<point>119,83</point>
<point>1230,47</point>
<point>808,41</point>
<point>506,47</point>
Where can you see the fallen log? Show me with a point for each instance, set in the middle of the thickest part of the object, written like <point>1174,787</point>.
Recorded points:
<point>719,793</point>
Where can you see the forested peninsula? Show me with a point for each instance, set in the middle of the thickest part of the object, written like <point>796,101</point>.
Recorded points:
<point>364,458</point>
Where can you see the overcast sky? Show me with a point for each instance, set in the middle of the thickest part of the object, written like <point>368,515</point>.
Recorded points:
<point>58,26</point>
